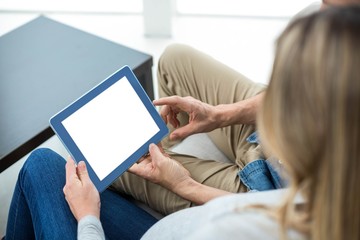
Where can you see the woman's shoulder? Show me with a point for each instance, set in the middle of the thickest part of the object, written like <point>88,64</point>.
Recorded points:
<point>232,217</point>
<point>224,217</point>
<point>248,223</point>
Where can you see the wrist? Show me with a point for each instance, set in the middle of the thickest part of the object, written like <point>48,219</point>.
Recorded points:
<point>196,192</point>
<point>88,215</point>
<point>191,190</point>
<point>226,114</point>
<point>223,114</point>
<point>242,112</point>
<point>82,213</point>
<point>182,188</point>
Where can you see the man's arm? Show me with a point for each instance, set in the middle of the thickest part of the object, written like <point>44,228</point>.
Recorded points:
<point>196,192</point>
<point>204,117</point>
<point>242,112</point>
<point>160,169</point>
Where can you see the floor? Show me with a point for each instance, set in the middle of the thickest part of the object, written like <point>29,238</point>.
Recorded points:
<point>245,44</point>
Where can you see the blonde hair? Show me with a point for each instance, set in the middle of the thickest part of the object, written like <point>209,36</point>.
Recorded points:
<point>310,119</point>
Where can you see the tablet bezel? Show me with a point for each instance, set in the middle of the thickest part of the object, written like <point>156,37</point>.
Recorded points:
<point>58,127</point>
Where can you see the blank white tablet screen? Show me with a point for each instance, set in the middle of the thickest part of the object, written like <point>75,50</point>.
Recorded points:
<point>111,127</point>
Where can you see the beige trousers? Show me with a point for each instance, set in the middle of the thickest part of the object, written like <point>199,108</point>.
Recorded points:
<point>184,71</point>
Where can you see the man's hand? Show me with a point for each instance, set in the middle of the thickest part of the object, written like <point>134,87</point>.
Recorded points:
<point>160,169</point>
<point>80,193</point>
<point>202,116</point>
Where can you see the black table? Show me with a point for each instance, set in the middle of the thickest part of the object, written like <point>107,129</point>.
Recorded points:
<point>44,66</point>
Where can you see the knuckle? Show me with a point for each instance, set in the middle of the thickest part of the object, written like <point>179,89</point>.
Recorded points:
<point>177,98</point>
<point>65,189</point>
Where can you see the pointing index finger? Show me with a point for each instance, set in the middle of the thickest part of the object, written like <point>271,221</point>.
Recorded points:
<point>172,101</point>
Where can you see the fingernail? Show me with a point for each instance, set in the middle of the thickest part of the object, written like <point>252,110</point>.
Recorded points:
<point>81,164</point>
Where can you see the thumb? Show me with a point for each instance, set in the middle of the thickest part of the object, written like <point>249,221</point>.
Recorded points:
<point>155,153</point>
<point>82,172</point>
<point>182,132</point>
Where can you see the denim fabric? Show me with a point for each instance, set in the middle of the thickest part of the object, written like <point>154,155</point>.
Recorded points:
<point>261,174</point>
<point>39,210</point>
<point>253,138</point>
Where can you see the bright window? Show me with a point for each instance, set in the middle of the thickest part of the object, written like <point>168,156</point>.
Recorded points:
<point>255,8</point>
<point>95,6</point>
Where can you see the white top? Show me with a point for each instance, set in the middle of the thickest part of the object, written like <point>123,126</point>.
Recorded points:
<point>224,218</point>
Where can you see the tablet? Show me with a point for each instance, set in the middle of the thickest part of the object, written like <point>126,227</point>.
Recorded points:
<point>110,127</point>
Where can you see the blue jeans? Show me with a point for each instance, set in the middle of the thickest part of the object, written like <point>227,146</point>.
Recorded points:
<point>39,210</point>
